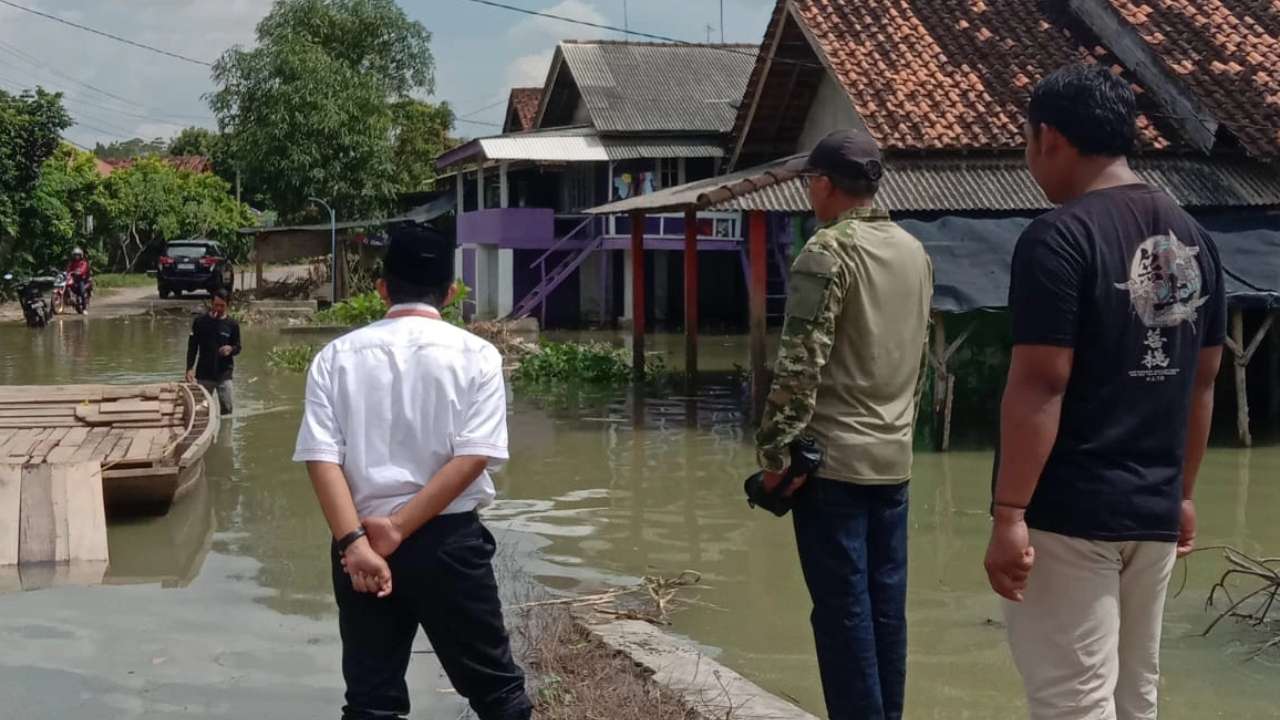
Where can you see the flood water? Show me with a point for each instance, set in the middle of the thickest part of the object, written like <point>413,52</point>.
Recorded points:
<point>225,604</point>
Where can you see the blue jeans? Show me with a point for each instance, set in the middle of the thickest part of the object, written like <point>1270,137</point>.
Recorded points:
<point>853,549</point>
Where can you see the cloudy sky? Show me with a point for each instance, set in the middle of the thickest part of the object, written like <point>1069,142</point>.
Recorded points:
<point>116,91</point>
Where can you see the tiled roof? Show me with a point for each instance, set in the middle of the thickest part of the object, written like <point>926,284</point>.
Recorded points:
<point>939,74</point>
<point>522,108</point>
<point>633,87</point>
<point>1228,52</point>
<point>935,75</point>
<point>189,163</point>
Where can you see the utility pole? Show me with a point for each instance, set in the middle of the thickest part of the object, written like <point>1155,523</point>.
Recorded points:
<point>709,29</point>
<point>333,240</point>
<point>721,22</point>
<point>626,22</point>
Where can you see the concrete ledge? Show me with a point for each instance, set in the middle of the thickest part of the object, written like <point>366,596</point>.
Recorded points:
<point>709,688</point>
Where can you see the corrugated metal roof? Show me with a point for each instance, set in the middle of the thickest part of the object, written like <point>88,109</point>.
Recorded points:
<point>581,144</point>
<point>650,87</point>
<point>967,185</point>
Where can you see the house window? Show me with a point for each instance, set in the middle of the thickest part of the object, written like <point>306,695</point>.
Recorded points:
<point>669,173</point>
<point>578,188</point>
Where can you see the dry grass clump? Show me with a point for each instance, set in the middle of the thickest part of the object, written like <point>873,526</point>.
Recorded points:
<point>576,677</point>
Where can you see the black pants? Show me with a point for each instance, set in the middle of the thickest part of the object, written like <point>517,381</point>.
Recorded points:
<point>442,581</point>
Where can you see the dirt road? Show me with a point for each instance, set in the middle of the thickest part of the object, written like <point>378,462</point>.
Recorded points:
<point>120,302</point>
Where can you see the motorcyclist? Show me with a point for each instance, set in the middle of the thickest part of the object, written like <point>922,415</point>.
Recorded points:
<point>80,274</point>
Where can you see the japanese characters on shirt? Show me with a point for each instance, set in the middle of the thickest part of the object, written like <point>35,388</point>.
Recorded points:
<point>1165,290</point>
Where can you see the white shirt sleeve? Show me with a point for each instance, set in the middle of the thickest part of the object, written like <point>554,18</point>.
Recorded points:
<point>320,439</point>
<point>483,431</point>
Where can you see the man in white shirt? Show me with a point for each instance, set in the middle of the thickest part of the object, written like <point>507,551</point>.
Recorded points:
<point>404,420</point>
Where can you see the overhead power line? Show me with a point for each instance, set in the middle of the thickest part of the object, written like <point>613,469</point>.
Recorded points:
<point>43,66</point>
<point>637,34</point>
<point>103,33</point>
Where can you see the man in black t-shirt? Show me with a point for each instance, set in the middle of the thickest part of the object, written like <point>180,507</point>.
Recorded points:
<point>1119,317</point>
<point>212,350</point>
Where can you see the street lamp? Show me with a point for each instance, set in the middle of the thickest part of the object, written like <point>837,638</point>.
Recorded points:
<point>333,246</point>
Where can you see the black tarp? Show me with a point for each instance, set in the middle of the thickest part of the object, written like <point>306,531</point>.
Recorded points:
<point>972,256</point>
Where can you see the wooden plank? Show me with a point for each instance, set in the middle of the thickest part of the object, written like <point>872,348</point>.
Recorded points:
<point>69,446</point>
<point>48,443</point>
<point>50,394</point>
<point>39,423</point>
<point>132,405</point>
<point>119,449</point>
<point>140,448</point>
<point>47,411</point>
<point>42,506</point>
<point>93,418</point>
<point>85,512</point>
<point>158,471</point>
<point>89,448</point>
<point>21,443</point>
<point>10,504</point>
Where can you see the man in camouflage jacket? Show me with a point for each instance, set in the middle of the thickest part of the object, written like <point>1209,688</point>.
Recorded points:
<point>847,370</point>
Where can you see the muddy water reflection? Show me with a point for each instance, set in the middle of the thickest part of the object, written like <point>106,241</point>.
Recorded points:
<point>614,489</point>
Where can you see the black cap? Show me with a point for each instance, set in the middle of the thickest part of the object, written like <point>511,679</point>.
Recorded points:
<point>847,154</point>
<point>419,254</point>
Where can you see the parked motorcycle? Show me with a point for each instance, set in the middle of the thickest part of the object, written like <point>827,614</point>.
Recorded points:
<point>31,294</point>
<point>64,291</point>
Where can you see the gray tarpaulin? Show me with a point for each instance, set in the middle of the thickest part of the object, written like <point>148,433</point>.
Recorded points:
<point>971,258</point>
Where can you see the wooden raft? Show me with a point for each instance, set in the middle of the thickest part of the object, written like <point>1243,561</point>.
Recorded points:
<point>120,426</point>
<point>145,438</point>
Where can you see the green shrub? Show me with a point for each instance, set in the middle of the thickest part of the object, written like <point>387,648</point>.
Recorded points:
<point>293,358</point>
<point>368,308</point>
<point>354,311</point>
<point>574,363</point>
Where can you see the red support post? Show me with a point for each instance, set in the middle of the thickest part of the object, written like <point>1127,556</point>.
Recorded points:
<point>691,293</point>
<point>638,304</point>
<point>757,233</point>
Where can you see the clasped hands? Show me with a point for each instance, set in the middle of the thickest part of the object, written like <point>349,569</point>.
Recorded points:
<point>365,561</point>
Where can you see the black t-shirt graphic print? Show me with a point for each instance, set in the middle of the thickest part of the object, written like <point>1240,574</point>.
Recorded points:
<point>1135,286</point>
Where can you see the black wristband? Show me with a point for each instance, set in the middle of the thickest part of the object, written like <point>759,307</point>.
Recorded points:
<point>349,539</point>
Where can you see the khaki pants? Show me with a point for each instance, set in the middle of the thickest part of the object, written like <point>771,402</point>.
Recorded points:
<point>1086,637</point>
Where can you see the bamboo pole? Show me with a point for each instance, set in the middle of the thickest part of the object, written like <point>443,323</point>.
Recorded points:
<point>691,294</point>
<point>638,309</point>
<point>757,231</point>
<point>1241,370</point>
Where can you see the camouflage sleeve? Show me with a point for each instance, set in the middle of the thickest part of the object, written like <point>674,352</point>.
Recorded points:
<point>818,286</point>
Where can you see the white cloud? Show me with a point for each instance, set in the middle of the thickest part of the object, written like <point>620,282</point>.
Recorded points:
<point>547,30</point>
<point>529,70</point>
<point>543,34</point>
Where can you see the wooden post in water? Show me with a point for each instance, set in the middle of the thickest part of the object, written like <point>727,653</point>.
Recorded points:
<point>944,381</point>
<point>257,262</point>
<point>638,303</point>
<point>691,294</point>
<point>757,237</point>
<point>1242,355</point>
<point>1241,374</point>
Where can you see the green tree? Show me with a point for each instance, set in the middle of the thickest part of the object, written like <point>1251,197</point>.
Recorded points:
<point>129,149</point>
<point>55,216</point>
<point>151,203</point>
<point>310,110</point>
<point>421,135</point>
<point>195,141</point>
<point>30,129</point>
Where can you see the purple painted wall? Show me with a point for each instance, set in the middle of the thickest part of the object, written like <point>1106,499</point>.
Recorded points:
<point>510,228</point>
<point>469,277</point>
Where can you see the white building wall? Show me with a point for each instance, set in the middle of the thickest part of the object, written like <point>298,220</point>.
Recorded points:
<point>832,110</point>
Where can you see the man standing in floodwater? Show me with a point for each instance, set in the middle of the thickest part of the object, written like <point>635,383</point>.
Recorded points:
<point>212,350</point>
<point>847,370</point>
<point>1119,317</point>
<point>404,421</point>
